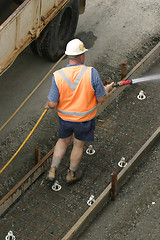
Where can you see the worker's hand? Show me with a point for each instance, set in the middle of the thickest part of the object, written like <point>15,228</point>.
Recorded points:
<point>109,87</point>
<point>112,84</point>
<point>51,105</point>
<point>46,106</point>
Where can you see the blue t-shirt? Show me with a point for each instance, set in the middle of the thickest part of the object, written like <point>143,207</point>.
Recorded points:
<point>96,83</point>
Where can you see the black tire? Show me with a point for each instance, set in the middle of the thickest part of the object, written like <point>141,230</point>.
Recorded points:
<point>4,5</point>
<point>59,32</point>
<point>33,47</point>
<point>19,1</point>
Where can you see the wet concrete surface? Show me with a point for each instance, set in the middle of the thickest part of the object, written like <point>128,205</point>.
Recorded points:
<point>122,128</point>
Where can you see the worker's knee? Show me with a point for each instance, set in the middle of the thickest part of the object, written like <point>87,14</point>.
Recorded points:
<point>66,141</point>
<point>78,144</point>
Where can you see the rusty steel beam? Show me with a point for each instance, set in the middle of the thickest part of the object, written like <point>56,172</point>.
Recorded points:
<point>113,185</point>
<point>37,154</point>
<point>124,70</point>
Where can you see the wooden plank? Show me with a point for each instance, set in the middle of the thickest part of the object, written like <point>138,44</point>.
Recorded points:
<point>89,214</point>
<point>25,182</point>
<point>125,172</point>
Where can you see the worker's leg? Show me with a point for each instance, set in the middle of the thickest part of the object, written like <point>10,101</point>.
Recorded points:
<point>76,154</point>
<point>75,157</point>
<point>60,149</point>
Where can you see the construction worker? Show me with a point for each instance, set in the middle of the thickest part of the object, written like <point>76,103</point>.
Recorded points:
<point>74,93</point>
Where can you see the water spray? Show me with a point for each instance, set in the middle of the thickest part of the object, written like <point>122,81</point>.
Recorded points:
<point>137,80</point>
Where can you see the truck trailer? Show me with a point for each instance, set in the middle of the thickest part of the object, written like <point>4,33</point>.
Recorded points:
<point>45,25</point>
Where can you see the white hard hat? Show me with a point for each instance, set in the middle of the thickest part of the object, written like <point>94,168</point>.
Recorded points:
<point>75,47</point>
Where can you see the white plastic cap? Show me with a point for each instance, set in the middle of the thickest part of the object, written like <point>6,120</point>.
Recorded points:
<point>75,47</point>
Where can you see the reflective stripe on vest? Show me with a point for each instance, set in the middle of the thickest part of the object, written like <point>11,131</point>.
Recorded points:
<point>77,113</point>
<point>68,81</point>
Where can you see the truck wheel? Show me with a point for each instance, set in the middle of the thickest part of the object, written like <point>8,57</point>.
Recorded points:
<point>19,1</point>
<point>59,32</point>
<point>33,47</point>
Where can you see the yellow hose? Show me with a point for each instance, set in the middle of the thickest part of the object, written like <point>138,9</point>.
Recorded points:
<point>30,134</point>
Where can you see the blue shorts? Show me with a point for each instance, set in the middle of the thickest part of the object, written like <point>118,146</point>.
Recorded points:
<point>83,131</point>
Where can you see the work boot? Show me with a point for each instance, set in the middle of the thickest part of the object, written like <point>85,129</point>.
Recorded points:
<point>73,176</point>
<point>51,175</point>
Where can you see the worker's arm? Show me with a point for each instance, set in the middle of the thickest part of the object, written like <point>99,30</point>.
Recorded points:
<point>101,100</point>
<point>53,96</point>
<point>101,92</point>
<point>51,105</point>
<point>108,88</point>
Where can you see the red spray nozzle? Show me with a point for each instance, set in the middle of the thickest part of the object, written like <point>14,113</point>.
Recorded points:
<point>122,83</point>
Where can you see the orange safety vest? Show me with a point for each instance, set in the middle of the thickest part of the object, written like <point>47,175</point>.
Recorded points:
<point>77,101</point>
